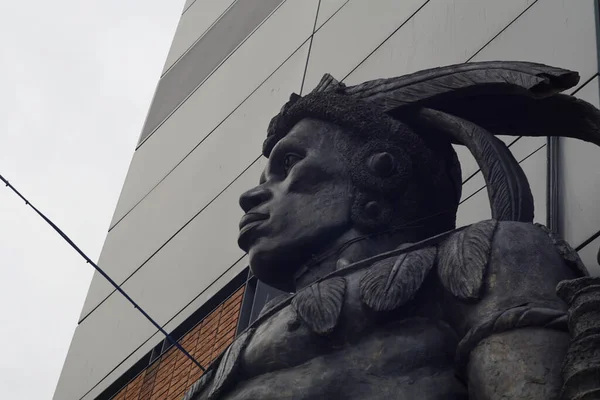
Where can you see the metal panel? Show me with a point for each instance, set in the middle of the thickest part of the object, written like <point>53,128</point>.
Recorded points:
<point>200,177</point>
<point>443,32</point>
<point>327,8</point>
<point>206,55</point>
<point>467,26</point>
<point>188,4</point>
<point>193,23</point>
<point>196,256</point>
<point>232,82</point>
<point>355,31</point>
<point>98,345</point>
<point>579,181</point>
<point>555,32</point>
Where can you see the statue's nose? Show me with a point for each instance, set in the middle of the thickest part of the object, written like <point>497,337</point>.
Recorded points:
<point>254,198</point>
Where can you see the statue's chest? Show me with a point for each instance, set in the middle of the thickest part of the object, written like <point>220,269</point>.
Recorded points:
<point>409,358</point>
<point>316,322</point>
<point>343,310</point>
<point>280,342</point>
<point>296,333</point>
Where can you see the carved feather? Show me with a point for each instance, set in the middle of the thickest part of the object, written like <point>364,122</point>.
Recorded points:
<point>319,306</point>
<point>505,97</point>
<point>464,80</point>
<point>508,189</point>
<point>463,259</point>
<point>328,83</point>
<point>391,283</point>
<point>228,367</point>
<point>559,116</point>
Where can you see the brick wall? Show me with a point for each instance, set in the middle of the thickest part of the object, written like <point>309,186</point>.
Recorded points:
<point>172,373</point>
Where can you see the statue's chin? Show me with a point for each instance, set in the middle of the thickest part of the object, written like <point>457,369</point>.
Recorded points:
<point>273,273</point>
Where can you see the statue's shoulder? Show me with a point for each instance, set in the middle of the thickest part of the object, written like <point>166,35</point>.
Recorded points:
<point>390,283</point>
<point>382,286</point>
<point>463,259</point>
<point>490,252</point>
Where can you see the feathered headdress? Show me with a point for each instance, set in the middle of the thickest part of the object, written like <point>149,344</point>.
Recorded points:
<point>468,104</point>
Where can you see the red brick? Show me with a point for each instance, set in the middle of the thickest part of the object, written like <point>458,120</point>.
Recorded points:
<point>169,377</point>
<point>232,303</point>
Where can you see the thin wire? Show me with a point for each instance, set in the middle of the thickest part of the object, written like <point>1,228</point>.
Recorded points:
<point>104,274</point>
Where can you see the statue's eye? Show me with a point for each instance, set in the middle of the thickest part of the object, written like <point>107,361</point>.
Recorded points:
<point>289,161</point>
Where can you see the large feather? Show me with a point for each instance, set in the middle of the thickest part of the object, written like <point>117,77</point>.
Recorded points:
<point>462,80</point>
<point>558,116</point>
<point>319,305</point>
<point>507,186</point>
<point>505,97</point>
<point>391,283</point>
<point>463,259</point>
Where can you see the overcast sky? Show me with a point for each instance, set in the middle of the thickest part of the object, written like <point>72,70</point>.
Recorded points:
<point>76,80</point>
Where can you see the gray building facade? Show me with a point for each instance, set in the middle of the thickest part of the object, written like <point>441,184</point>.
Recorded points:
<point>232,65</point>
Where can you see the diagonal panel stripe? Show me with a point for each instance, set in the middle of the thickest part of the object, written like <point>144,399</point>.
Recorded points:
<point>206,55</point>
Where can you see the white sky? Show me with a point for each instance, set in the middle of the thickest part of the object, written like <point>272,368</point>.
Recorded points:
<point>76,80</point>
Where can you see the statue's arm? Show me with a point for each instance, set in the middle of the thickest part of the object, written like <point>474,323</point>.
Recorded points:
<point>518,364</point>
<point>514,337</point>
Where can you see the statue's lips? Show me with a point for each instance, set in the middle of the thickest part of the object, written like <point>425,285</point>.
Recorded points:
<point>250,218</point>
<point>247,223</point>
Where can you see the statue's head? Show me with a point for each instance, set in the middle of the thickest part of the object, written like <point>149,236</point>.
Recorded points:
<point>338,165</point>
<point>376,159</point>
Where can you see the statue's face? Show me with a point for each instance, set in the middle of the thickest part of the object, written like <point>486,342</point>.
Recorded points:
<point>301,205</point>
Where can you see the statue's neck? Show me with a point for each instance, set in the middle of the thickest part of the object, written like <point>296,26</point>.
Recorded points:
<point>347,249</point>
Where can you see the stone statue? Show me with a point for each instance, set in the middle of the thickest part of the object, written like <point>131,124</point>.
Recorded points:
<point>355,215</point>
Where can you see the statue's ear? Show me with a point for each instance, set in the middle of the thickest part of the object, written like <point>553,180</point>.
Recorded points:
<point>371,212</point>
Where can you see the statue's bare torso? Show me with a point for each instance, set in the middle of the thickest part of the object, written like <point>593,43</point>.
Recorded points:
<point>410,358</point>
<point>412,351</point>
